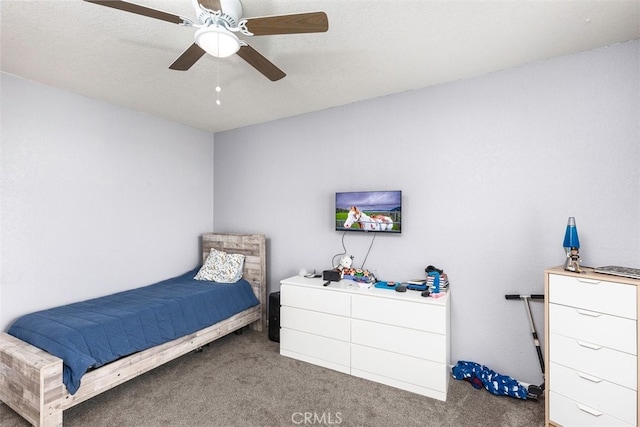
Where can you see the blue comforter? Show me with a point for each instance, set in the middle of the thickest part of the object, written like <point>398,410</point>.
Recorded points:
<point>92,333</point>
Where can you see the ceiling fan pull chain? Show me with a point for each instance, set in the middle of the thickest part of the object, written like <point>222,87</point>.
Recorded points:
<point>218,89</point>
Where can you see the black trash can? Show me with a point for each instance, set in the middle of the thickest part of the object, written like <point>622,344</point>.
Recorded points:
<point>274,316</point>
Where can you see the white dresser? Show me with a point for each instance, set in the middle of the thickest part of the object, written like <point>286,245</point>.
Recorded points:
<point>398,339</point>
<point>591,345</point>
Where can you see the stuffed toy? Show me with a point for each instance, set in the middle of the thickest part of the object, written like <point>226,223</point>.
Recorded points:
<point>345,262</point>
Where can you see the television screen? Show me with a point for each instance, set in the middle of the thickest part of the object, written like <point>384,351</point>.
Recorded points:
<point>369,211</point>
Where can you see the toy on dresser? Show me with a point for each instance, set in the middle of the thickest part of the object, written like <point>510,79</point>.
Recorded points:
<point>363,277</point>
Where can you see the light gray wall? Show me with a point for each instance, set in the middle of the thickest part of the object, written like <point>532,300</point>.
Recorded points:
<point>95,198</point>
<point>490,169</point>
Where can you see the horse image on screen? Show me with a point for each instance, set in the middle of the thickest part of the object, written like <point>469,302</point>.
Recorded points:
<point>369,211</point>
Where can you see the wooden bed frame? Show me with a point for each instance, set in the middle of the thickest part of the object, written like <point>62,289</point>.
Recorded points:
<point>31,379</point>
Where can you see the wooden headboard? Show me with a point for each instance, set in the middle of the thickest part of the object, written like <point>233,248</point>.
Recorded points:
<point>253,247</point>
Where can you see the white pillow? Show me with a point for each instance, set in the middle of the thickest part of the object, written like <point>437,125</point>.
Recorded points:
<point>221,267</point>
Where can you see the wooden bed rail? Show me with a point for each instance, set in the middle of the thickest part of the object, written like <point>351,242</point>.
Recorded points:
<point>30,381</point>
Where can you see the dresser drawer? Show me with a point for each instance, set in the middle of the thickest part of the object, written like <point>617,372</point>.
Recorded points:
<point>313,322</point>
<point>599,361</point>
<point>414,315</point>
<point>411,370</point>
<point>567,413</point>
<point>618,333</point>
<point>412,342</point>
<point>327,352</point>
<point>596,393</point>
<point>596,295</point>
<point>321,300</point>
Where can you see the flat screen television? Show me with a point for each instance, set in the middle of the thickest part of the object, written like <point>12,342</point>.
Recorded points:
<point>369,211</point>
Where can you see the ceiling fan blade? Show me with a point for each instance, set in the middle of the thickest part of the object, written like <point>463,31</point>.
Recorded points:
<point>210,4</point>
<point>139,10</point>
<point>260,63</point>
<point>188,58</point>
<point>311,22</point>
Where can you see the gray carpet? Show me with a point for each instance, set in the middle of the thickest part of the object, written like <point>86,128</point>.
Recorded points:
<point>241,380</point>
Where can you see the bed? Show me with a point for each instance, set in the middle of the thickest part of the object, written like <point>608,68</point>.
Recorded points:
<point>31,379</point>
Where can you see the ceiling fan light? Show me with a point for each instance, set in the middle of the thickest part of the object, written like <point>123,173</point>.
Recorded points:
<point>217,41</point>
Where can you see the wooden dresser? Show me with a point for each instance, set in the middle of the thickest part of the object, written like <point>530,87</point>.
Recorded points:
<point>591,349</point>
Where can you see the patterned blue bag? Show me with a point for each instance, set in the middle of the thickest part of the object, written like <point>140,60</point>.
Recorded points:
<point>495,383</point>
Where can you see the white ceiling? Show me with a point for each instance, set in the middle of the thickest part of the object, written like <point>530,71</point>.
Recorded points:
<point>373,48</point>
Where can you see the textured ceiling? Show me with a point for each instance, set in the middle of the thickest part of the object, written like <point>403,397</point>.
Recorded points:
<point>373,48</point>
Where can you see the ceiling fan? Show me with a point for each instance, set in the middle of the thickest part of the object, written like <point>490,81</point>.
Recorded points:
<point>218,23</point>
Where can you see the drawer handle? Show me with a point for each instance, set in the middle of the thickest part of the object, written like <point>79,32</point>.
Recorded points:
<point>588,281</point>
<point>588,313</point>
<point>588,377</point>
<point>589,345</point>
<point>588,410</point>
